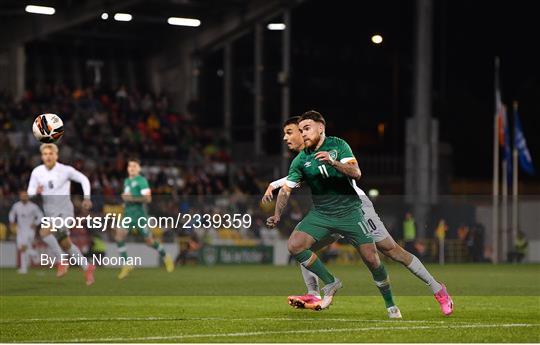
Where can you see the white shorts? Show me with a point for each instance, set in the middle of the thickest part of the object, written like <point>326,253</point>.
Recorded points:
<point>63,231</point>
<point>375,225</point>
<point>25,238</point>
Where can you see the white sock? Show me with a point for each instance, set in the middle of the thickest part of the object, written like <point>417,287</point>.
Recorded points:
<point>311,280</point>
<point>419,270</point>
<point>75,252</point>
<point>24,261</point>
<point>52,243</point>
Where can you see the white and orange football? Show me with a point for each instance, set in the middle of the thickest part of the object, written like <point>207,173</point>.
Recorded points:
<point>48,128</point>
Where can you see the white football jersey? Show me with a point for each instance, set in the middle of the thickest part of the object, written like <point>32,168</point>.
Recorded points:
<point>56,183</point>
<point>25,215</point>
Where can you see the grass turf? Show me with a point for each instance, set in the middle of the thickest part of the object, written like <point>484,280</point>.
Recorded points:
<point>248,304</point>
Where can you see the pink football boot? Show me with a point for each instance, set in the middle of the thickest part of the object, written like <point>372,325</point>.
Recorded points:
<point>445,301</point>
<point>304,302</point>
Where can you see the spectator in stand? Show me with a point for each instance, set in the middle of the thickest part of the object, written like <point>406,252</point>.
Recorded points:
<point>475,242</point>
<point>520,249</point>
<point>409,233</point>
<point>462,232</point>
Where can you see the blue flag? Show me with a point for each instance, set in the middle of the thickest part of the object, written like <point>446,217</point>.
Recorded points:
<point>507,151</point>
<point>525,160</point>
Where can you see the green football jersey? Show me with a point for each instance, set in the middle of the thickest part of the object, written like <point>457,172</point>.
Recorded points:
<point>136,186</point>
<point>333,193</point>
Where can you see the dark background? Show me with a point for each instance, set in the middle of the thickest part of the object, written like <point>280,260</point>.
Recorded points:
<point>358,85</point>
<point>364,90</point>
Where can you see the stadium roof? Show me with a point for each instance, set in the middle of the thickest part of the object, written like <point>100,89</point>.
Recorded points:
<point>83,19</point>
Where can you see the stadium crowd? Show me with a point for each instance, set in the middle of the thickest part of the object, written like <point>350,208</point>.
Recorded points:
<point>103,129</point>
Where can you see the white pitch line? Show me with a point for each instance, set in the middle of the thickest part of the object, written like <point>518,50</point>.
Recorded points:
<point>90,319</point>
<point>299,331</point>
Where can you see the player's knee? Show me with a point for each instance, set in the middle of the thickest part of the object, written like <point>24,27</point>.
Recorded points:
<point>295,246</point>
<point>370,257</point>
<point>298,242</point>
<point>372,260</point>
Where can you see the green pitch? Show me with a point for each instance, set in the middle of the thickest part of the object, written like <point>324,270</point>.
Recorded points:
<point>248,304</point>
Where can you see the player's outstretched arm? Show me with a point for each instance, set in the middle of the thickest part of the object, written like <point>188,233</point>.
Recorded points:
<point>281,203</point>
<point>268,196</point>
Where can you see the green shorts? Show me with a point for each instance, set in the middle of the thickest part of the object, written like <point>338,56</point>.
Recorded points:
<point>325,241</point>
<point>351,226</point>
<point>133,226</point>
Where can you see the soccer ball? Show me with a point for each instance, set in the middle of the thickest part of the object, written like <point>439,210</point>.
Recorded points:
<point>48,128</point>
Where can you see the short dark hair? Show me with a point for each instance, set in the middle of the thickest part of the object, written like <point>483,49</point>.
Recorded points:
<point>312,115</point>
<point>134,159</point>
<point>291,120</point>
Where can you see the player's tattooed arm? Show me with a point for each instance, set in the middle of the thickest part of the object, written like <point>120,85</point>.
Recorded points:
<point>349,168</point>
<point>282,200</point>
<point>281,203</point>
